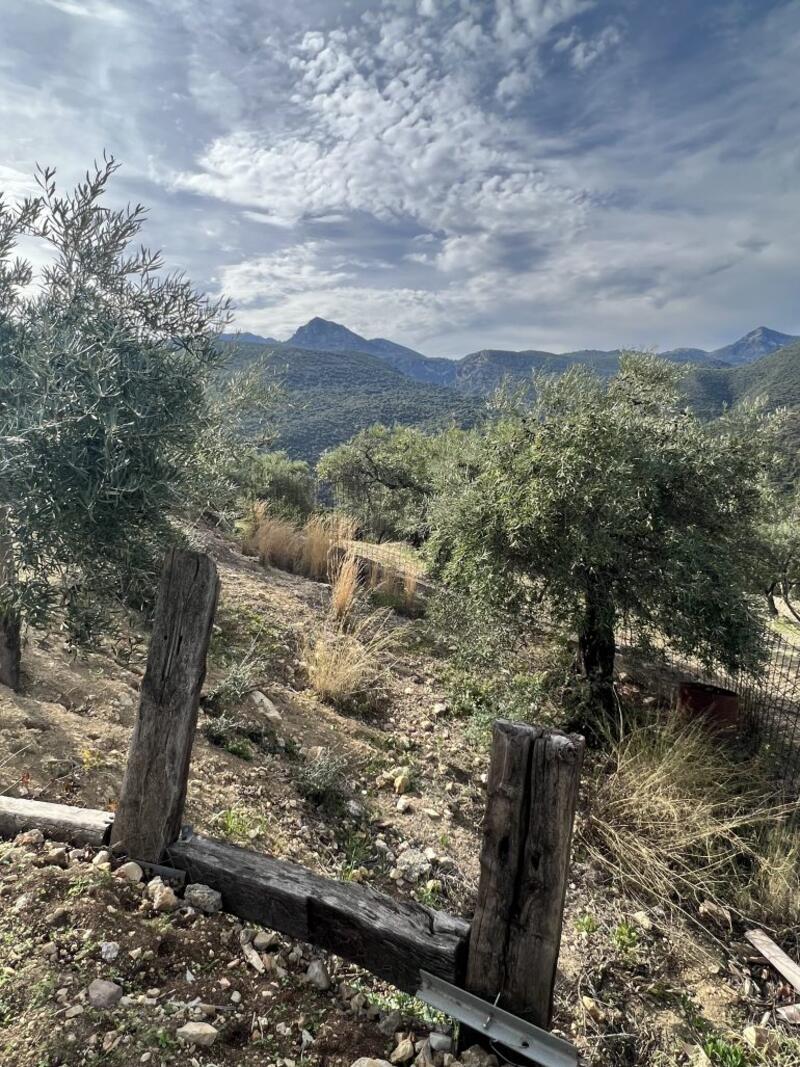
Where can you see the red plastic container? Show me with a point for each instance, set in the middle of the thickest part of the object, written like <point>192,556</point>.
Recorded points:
<point>719,707</point>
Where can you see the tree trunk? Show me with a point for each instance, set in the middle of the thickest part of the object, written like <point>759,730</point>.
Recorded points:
<point>597,646</point>
<point>10,622</point>
<point>10,649</point>
<point>770,594</point>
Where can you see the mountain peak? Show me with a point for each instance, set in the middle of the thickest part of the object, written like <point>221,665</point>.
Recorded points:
<point>758,342</point>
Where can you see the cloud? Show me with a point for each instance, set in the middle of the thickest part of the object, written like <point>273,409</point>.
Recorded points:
<point>89,9</point>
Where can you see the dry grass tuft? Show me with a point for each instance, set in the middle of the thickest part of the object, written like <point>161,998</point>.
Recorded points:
<point>347,668</point>
<point>344,590</point>
<point>675,817</point>
<point>278,543</point>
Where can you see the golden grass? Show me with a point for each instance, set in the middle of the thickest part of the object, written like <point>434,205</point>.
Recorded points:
<point>675,818</point>
<point>347,668</point>
<point>344,590</point>
<point>279,543</point>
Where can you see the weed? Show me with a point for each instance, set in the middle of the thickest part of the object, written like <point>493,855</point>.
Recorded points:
<point>587,924</point>
<point>322,778</point>
<point>625,937</point>
<point>240,679</point>
<point>238,822</point>
<point>225,733</point>
<point>722,1053</point>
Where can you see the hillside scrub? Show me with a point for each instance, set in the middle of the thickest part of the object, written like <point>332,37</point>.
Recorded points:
<point>107,418</point>
<point>676,818</point>
<point>595,504</point>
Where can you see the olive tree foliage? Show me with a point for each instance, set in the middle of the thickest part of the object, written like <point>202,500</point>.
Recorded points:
<point>597,504</point>
<point>783,534</point>
<point>105,412</point>
<point>386,478</point>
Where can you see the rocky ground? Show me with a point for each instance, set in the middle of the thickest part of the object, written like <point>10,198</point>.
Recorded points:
<point>101,967</point>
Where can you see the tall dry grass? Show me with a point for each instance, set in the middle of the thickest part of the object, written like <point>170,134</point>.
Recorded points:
<point>344,590</point>
<point>675,817</point>
<point>280,543</point>
<point>348,668</point>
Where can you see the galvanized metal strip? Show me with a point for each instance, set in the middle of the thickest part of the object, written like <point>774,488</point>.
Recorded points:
<point>498,1025</point>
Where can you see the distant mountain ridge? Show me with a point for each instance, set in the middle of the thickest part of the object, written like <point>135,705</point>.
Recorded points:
<point>338,382</point>
<point>483,371</point>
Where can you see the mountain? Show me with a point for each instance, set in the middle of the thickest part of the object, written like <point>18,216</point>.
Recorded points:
<point>245,338</point>
<point>330,396</point>
<point>321,335</point>
<point>759,342</point>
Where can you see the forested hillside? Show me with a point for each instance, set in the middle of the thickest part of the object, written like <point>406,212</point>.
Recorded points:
<point>329,396</point>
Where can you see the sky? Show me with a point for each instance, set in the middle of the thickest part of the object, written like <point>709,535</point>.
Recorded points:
<point>450,174</point>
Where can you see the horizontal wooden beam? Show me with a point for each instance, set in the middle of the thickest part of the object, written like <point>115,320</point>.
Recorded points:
<point>77,826</point>
<point>394,939</point>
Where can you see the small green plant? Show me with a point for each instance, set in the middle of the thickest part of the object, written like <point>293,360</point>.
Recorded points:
<point>723,1054</point>
<point>238,822</point>
<point>322,778</point>
<point>240,679</point>
<point>625,936</point>
<point>587,924</point>
<point>226,733</point>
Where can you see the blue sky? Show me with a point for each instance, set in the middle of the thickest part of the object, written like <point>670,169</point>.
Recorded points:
<point>454,175</point>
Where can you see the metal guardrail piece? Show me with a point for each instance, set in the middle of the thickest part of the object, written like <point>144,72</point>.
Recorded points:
<point>499,1026</point>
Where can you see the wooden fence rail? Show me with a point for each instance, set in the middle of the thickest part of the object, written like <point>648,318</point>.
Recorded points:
<point>508,954</point>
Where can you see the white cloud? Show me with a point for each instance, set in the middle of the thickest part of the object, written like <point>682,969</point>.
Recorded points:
<point>89,9</point>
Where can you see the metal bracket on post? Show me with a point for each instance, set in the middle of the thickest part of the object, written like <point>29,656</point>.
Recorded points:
<point>497,1025</point>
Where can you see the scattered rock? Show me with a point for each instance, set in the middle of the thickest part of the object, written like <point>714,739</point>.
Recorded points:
<point>317,975</point>
<point>404,1051</point>
<point>129,872</point>
<point>475,1056</point>
<point>413,865</point>
<point>441,1042</point>
<point>253,958</point>
<point>402,784</point>
<point>102,857</point>
<point>203,1034</point>
<point>109,950</point>
<point>103,994</point>
<point>790,1013</point>
<point>74,1011</point>
<point>642,920</point>
<point>425,1056</point>
<point>56,857</point>
<point>164,899</point>
<point>203,897</point>
<point>266,707</point>
<point>365,1061</point>
<point>263,940</point>
<point>404,805</point>
<point>29,837</point>
<point>390,1023</point>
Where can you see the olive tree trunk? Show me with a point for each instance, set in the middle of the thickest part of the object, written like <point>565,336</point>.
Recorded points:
<point>597,647</point>
<point>10,623</point>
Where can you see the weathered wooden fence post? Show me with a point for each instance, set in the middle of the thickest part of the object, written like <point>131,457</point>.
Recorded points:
<point>153,790</point>
<point>516,930</point>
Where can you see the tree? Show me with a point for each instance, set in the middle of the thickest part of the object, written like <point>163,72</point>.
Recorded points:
<point>783,534</point>
<point>104,373</point>
<point>386,478</point>
<point>601,504</point>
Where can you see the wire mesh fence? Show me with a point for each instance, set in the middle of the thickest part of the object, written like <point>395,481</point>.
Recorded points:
<point>769,703</point>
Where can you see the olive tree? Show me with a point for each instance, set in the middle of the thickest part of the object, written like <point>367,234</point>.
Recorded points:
<point>602,503</point>
<point>386,477</point>
<point>104,366</point>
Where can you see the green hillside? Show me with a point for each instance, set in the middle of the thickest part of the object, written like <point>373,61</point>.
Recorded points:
<point>330,396</point>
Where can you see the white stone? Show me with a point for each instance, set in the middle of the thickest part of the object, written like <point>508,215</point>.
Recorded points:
<point>203,897</point>
<point>318,976</point>
<point>129,872</point>
<point>203,1034</point>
